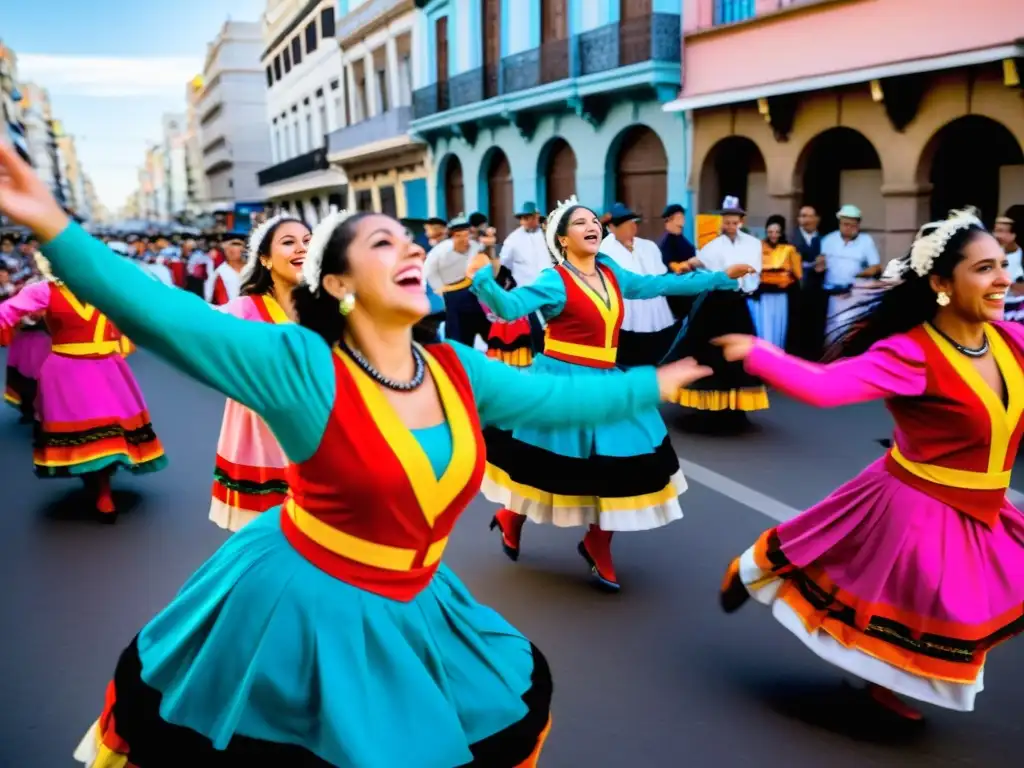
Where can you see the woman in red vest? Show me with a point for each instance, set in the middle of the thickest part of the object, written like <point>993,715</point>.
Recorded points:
<point>249,476</point>
<point>90,412</point>
<point>907,575</point>
<point>328,632</point>
<point>611,476</point>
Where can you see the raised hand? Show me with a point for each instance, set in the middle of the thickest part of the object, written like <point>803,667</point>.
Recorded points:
<point>24,197</point>
<point>676,376</point>
<point>735,346</point>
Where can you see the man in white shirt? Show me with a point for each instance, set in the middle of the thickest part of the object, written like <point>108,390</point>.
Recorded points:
<point>648,327</point>
<point>851,261</point>
<point>445,272</point>
<point>1005,232</point>
<point>525,254</point>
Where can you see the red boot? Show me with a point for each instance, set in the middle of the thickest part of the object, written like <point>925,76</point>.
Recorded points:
<point>105,498</point>
<point>596,549</point>
<point>511,526</point>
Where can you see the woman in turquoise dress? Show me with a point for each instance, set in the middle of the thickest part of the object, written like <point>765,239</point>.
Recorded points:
<point>616,475</point>
<point>328,633</point>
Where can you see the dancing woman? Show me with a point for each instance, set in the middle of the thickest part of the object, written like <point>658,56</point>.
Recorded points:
<point>29,346</point>
<point>620,476</point>
<point>91,417</point>
<point>249,476</point>
<point>910,573</point>
<point>329,633</point>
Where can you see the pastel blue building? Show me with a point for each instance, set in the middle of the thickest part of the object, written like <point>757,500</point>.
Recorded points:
<point>540,99</point>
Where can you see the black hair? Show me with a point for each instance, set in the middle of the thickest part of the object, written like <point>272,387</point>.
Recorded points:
<point>318,310</point>
<point>904,306</point>
<point>563,224</point>
<point>477,219</point>
<point>261,281</point>
<point>776,218</point>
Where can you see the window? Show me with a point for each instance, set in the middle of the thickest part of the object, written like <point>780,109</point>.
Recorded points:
<point>277,67</point>
<point>405,79</point>
<point>340,108</point>
<point>286,143</point>
<point>296,51</point>
<point>270,77</point>
<point>287,61</point>
<point>364,201</point>
<point>298,138</point>
<point>311,36</point>
<point>322,109</point>
<point>327,22</point>
<point>309,130</point>
<point>731,11</point>
<point>382,89</point>
<point>388,203</point>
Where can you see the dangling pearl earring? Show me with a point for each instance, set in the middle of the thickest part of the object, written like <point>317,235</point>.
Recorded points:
<point>348,303</point>
<point>942,299</point>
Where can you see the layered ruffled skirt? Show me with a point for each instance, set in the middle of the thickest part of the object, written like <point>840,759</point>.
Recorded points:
<point>729,387</point>
<point>509,342</point>
<point>91,416</point>
<point>249,475</point>
<point>622,476</point>
<point>895,587</point>
<point>263,659</point>
<point>26,354</point>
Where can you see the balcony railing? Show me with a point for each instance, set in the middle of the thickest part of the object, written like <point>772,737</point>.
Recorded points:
<point>387,125</point>
<point>295,166</point>
<point>656,38</point>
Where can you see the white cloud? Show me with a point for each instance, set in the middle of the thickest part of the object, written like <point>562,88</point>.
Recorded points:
<point>108,76</point>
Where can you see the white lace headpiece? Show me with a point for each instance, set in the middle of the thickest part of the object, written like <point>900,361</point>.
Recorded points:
<point>256,239</point>
<point>550,231</point>
<point>928,247</point>
<point>317,244</point>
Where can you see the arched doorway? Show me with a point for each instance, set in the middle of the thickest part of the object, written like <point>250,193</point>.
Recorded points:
<point>559,173</point>
<point>968,162</point>
<point>500,202</point>
<point>841,166</point>
<point>735,167</point>
<point>641,177</point>
<point>454,189</point>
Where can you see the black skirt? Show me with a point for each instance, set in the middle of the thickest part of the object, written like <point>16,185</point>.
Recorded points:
<point>729,387</point>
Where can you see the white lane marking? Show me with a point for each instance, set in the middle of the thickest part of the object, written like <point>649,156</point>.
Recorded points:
<point>756,500</point>
<point>763,503</point>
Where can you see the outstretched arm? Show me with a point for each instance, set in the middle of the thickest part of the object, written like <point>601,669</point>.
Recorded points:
<point>546,293</point>
<point>509,398</point>
<point>30,299</point>
<point>636,286</point>
<point>282,372</point>
<point>892,367</point>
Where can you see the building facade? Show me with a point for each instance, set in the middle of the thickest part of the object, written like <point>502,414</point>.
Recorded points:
<point>73,177</point>
<point>386,168</point>
<point>197,190</point>
<point>11,123</point>
<point>536,100</point>
<point>175,138</point>
<point>231,109</point>
<point>906,127</point>
<point>42,145</point>
<point>303,81</point>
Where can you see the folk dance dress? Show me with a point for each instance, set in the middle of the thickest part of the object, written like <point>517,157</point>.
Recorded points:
<point>249,475</point>
<point>621,476</point>
<point>28,345</point>
<point>328,632</point>
<point>910,573</point>
<point>729,388</point>
<point>90,413</point>
<point>781,272</point>
<point>509,340</point>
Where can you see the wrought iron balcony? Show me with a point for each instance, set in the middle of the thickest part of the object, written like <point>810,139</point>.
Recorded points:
<point>655,38</point>
<point>294,166</point>
<point>386,125</point>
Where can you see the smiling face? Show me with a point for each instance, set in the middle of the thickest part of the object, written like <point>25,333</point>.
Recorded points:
<point>385,273</point>
<point>977,290</point>
<point>288,243</point>
<point>580,232</point>
<point>773,233</point>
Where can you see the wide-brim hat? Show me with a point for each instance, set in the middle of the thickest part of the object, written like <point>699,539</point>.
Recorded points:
<point>459,223</point>
<point>620,213</point>
<point>529,208</point>
<point>849,212</point>
<point>731,207</point>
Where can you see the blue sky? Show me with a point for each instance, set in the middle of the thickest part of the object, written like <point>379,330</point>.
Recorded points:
<point>113,67</point>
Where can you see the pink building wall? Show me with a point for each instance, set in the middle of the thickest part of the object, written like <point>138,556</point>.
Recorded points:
<point>793,39</point>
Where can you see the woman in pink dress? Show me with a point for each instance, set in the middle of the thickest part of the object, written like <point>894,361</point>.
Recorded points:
<point>249,476</point>
<point>28,347</point>
<point>910,573</point>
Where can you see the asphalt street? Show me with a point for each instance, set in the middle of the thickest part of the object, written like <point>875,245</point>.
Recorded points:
<point>654,677</point>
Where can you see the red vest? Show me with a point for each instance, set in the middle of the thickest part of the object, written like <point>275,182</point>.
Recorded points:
<point>367,508</point>
<point>957,442</point>
<point>79,330</point>
<point>586,331</point>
